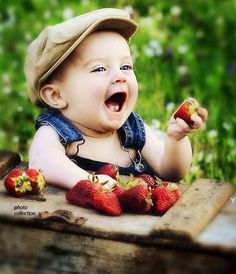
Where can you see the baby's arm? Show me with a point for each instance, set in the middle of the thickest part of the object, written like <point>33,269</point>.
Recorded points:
<point>48,154</point>
<point>172,158</point>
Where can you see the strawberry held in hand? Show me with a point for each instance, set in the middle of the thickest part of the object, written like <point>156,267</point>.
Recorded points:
<point>186,109</point>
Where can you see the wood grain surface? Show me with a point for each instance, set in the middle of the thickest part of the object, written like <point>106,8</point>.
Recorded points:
<point>8,160</point>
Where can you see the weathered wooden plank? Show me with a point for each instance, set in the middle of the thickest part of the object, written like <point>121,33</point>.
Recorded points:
<point>31,250</point>
<point>8,160</point>
<point>196,208</point>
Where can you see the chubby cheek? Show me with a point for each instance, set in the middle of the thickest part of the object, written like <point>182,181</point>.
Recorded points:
<point>133,94</point>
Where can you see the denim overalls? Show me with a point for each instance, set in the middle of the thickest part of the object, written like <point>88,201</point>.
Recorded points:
<point>131,134</point>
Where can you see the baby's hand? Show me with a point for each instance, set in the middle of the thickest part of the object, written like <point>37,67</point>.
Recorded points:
<point>109,182</point>
<point>188,116</point>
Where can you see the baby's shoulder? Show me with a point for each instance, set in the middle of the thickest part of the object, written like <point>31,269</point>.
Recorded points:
<point>46,132</point>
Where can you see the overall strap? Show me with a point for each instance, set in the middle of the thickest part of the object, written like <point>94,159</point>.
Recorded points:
<point>66,130</point>
<point>132,133</point>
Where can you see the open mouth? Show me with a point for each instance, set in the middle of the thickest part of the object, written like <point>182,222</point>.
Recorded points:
<point>116,102</point>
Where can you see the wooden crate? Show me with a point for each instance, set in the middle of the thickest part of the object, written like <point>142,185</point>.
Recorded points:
<point>47,235</point>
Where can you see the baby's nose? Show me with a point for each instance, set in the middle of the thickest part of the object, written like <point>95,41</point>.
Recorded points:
<point>119,77</point>
<point>120,80</point>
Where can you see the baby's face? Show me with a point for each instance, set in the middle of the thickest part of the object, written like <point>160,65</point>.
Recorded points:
<point>100,86</point>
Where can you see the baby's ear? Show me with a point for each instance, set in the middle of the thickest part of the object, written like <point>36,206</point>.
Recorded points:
<point>52,96</point>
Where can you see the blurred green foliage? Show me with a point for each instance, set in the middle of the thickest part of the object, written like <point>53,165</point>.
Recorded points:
<point>183,48</point>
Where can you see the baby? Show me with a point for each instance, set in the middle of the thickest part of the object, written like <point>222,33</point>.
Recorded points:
<point>82,71</point>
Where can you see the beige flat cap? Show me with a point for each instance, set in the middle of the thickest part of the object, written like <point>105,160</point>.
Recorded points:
<point>55,43</point>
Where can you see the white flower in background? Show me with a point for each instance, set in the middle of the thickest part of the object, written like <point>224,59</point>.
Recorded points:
<point>204,127</point>
<point>170,106</point>
<point>2,134</point>
<point>176,11</point>
<point>194,169</point>
<point>19,109</point>
<point>21,93</point>
<point>68,13</point>
<point>155,124</point>
<point>231,142</point>
<point>159,16</point>
<point>6,90</point>
<point>155,45</point>
<point>226,126</point>
<point>47,14</point>
<point>209,157</point>
<point>16,139</point>
<point>212,133</point>
<point>85,2</point>
<point>28,36</point>
<point>200,156</point>
<point>148,21</point>
<point>149,51</point>
<point>129,9</point>
<point>11,17</point>
<point>6,78</point>
<point>182,49</point>
<point>183,70</point>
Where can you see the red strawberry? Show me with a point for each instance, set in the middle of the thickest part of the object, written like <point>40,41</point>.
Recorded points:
<point>175,193</point>
<point>164,197</point>
<point>107,203</point>
<point>17,183</point>
<point>118,190</point>
<point>110,170</point>
<point>83,192</point>
<point>186,109</point>
<point>37,181</point>
<point>148,179</point>
<point>136,199</point>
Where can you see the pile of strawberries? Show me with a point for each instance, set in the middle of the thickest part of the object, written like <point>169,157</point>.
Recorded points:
<point>20,182</point>
<point>143,194</point>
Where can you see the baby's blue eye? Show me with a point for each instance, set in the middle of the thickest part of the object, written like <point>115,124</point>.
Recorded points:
<point>99,69</point>
<point>126,67</point>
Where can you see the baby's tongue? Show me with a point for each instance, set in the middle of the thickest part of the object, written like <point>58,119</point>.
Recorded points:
<point>112,106</point>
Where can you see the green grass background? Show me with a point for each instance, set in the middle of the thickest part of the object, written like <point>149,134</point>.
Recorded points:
<point>183,48</point>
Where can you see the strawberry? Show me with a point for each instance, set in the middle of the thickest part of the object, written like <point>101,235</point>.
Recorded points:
<point>110,170</point>
<point>148,179</point>
<point>186,109</point>
<point>164,197</point>
<point>175,193</point>
<point>136,199</point>
<point>118,190</point>
<point>37,181</point>
<point>83,192</point>
<point>17,183</point>
<point>107,203</point>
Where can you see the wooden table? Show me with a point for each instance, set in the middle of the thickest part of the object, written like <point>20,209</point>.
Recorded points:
<point>46,234</point>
